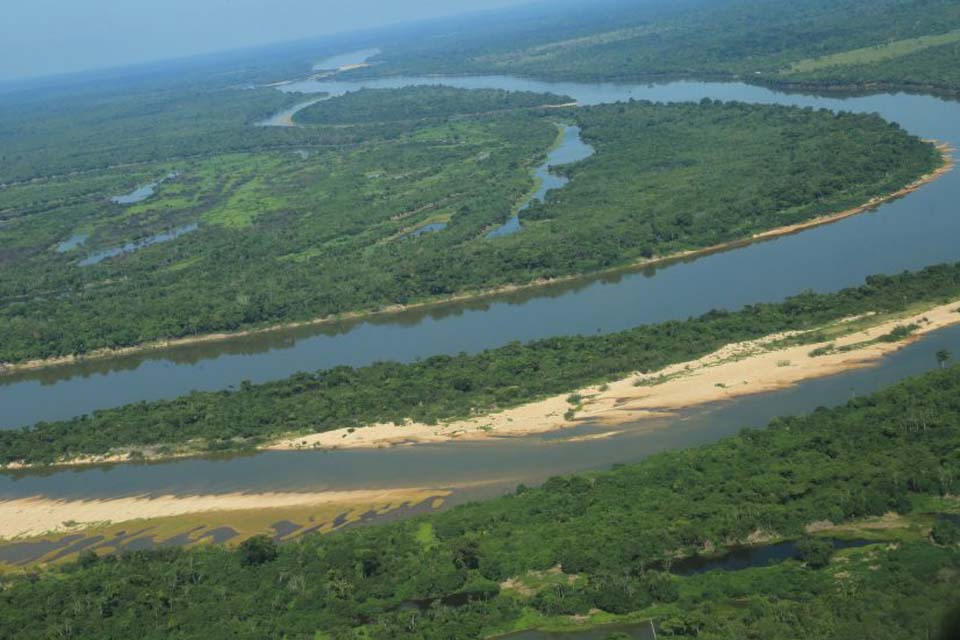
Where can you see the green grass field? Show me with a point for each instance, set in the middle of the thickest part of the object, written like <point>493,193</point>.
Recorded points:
<point>876,53</point>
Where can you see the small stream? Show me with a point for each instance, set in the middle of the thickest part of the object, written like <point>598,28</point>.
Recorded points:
<point>752,557</point>
<point>142,193</point>
<point>570,149</point>
<point>137,245</point>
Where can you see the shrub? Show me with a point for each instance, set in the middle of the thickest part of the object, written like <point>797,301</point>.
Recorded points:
<point>257,550</point>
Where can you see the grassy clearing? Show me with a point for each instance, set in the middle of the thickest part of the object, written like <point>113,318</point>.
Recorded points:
<point>190,529</point>
<point>876,53</point>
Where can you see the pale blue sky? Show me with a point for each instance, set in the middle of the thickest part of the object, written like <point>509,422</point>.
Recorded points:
<point>42,37</point>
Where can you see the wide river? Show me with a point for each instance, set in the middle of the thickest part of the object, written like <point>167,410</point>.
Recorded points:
<point>910,233</point>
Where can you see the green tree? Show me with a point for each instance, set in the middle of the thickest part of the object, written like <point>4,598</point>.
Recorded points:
<point>257,550</point>
<point>945,532</point>
<point>815,553</point>
<point>943,356</point>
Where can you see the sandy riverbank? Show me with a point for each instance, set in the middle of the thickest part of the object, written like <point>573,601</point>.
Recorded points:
<point>158,345</point>
<point>736,370</point>
<point>40,516</point>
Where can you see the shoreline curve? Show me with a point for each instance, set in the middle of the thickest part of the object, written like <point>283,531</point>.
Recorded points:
<point>11,368</point>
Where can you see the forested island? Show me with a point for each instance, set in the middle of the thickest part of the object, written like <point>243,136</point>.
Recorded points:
<point>278,237</point>
<point>604,546</point>
<point>447,387</point>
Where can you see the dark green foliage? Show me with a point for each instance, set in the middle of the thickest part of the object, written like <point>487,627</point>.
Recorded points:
<point>945,532</point>
<point>287,238</point>
<point>452,386</point>
<point>728,39</point>
<point>950,629</point>
<point>943,356</point>
<point>257,550</point>
<point>815,553</point>
<point>369,106</point>
<point>934,70</point>
<point>836,465</point>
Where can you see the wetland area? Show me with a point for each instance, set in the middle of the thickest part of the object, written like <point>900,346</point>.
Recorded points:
<point>905,234</point>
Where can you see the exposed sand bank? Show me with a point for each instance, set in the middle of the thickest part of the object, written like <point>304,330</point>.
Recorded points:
<point>41,516</point>
<point>11,368</point>
<point>736,370</point>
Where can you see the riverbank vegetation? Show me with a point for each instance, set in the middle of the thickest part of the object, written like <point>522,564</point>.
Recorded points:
<point>533,558</point>
<point>287,236</point>
<point>928,69</point>
<point>421,103</point>
<point>446,387</point>
<point>840,45</point>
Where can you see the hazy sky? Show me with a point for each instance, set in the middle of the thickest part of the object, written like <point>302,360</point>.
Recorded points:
<point>41,37</point>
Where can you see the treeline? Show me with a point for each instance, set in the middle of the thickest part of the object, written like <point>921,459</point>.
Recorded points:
<point>656,186</point>
<point>419,103</point>
<point>609,533</point>
<point>145,129</point>
<point>723,40</point>
<point>444,387</point>
<point>934,70</point>
<point>292,239</point>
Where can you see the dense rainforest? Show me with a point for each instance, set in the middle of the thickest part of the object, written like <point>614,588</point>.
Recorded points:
<point>283,236</point>
<point>444,387</point>
<point>606,542</point>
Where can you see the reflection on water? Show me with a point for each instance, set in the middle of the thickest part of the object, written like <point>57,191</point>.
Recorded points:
<point>142,193</point>
<point>72,243</point>
<point>136,245</point>
<point>350,59</point>
<point>477,469</point>
<point>334,63</point>
<point>571,149</point>
<point>752,557</point>
<point>428,228</point>
<point>285,118</point>
<point>907,234</point>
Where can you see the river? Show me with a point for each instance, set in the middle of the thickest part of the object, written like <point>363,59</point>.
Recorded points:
<point>476,469</point>
<point>907,234</point>
<point>910,233</point>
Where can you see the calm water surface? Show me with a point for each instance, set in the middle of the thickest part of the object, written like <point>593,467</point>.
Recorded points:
<point>142,193</point>
<point>285,118</point>
<point>751,557</point>
<point>72,243</point>
<point>345,59</point>
<point>478,469</point>
<point>433,227</point>
<point>908,234</point>
<point>571,149</point>
<point>136,245</point>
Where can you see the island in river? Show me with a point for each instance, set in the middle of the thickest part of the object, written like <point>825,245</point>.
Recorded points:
<point>805,337</point>
<point>662,184</point>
